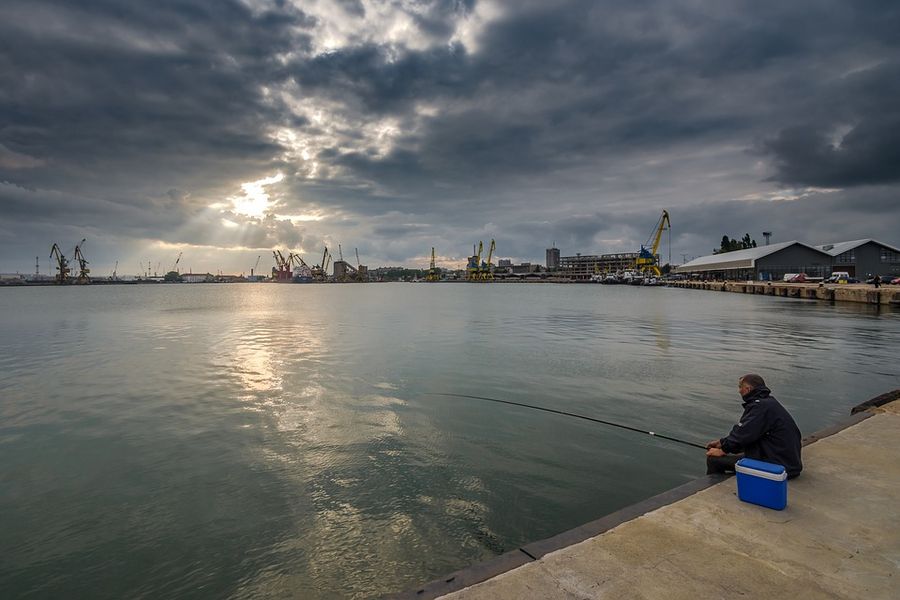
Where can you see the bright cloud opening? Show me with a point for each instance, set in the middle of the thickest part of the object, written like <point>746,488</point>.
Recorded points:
<point>255,201</point>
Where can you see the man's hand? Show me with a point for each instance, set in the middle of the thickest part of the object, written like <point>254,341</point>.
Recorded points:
<point>715,452</point>
<point>714,444</point>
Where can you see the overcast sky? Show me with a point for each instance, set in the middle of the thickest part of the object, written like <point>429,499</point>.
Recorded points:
<point>225,128</point>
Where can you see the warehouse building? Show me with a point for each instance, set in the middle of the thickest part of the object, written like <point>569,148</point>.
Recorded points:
<point>765,263</point>
<point>861,258</point>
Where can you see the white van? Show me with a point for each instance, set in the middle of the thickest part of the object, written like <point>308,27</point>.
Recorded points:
<point>838,277</point>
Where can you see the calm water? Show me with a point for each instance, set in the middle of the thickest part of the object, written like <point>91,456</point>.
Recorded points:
<point>239,441</point>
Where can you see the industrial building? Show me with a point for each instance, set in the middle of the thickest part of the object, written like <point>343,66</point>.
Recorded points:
<point>764,263</point>
<point>861,258</point>
<point>582,267</point>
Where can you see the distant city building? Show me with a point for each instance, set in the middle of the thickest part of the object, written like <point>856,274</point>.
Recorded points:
<point>553,258</point>
<point>525,267</point>
<point>583,266</point>
<point>504,262</point>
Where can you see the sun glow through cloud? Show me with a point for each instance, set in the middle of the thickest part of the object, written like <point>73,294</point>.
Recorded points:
<point>255,201</point>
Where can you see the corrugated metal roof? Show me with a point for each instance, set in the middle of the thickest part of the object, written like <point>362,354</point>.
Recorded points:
<point>841,247</point>
<point>738,259</point>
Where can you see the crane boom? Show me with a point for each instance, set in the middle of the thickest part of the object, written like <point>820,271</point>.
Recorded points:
<point>664,223</point>
<point>177,260</point>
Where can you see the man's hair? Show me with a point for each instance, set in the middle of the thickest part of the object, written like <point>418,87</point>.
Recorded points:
<point>753,380</point>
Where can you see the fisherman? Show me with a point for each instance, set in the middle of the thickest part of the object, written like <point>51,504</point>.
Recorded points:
<point>765,432</point>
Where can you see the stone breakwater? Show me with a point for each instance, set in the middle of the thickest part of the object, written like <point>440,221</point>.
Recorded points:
<point>866,294</point>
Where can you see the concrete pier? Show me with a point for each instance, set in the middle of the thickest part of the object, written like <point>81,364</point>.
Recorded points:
<point>839,536</point>
<point>867,294</point>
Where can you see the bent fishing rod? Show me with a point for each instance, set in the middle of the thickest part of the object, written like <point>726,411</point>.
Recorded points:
<point>568,414</point>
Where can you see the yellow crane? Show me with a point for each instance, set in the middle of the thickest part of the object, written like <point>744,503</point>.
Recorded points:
<point>647,259</point>
<point>62,264</point>
<point>434,274</point>
<point>84,274</point>
<point>487,269</point>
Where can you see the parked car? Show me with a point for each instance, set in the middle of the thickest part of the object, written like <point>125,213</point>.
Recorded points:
<point>840,277</point>
<point>895,281</point>
<point>795,278</point>
<point>884,279</point>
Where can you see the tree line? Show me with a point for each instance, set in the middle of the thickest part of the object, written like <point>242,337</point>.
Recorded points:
<point>731,244</point>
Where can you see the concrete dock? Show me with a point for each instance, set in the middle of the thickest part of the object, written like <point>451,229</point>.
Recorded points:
<point>866,294</point>
<point>839,536</point>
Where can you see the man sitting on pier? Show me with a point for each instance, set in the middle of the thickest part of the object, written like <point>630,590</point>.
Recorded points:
<point>765,432</point>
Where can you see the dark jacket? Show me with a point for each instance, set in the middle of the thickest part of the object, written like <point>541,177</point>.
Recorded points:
<point>766,432</point>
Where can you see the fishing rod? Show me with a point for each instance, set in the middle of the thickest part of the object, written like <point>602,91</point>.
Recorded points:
<point>568,414</point>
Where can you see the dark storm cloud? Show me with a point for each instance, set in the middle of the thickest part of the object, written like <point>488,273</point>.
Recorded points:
<point>817,153</point>
<point>554,86</point>
<point>368,76</point>
<point>110,94</point>
<point>571,121</point>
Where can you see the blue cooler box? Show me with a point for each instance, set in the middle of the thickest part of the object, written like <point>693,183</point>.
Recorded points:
<point>761,483</point>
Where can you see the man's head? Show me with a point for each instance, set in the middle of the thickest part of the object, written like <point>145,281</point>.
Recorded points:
<point>750,382</point>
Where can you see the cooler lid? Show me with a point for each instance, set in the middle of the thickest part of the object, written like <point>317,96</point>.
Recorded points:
<point>759,465</point>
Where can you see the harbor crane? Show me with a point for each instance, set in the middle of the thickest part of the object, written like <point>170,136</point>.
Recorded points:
<point>84,274</point>
<point>434,274</point>
<point>282,270</point>
<point>256,266</point>
<point>320,273</point>
<point>474,265</point>
<point>62,264</point>
<point>175,266</point>
<point>486,273</point>
<point>648,261</point>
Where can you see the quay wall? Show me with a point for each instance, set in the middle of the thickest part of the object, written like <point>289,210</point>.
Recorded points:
<point>866,294</point>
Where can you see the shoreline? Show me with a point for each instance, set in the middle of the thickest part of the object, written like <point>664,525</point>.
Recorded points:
<point>847,292</point>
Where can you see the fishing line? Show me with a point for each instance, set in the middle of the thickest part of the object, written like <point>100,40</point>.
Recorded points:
<point>568,414</point>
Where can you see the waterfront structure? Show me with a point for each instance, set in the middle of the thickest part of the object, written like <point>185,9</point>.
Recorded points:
<point>764,263</point>
<point>552,258</point>
<point>861,258</point>
<point>582,267</point>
